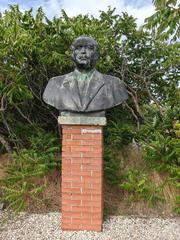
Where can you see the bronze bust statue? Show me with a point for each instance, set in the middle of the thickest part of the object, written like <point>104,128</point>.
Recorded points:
<point>85,90</point>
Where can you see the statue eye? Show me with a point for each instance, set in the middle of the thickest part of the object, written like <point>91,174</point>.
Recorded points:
<point>79,47</point>
<point>90,47</point>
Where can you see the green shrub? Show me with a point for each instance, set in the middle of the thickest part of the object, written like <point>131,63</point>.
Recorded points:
<point>163,150</point>
<point>118,134</point>
<point>112,166</point>
<point>20,185</point>
<point>138,185</point>
<point>177,205</point>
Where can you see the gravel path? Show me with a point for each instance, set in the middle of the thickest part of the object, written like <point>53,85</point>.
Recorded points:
<point>47,227</point>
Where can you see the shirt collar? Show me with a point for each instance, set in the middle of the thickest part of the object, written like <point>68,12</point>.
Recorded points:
<point>89,73</point>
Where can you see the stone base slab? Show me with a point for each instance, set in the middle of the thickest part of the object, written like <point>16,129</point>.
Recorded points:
<point>81,120</point>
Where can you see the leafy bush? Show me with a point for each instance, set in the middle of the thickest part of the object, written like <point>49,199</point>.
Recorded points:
<point>138,184</point>
<point>112,166</point>
<point>119,134</point>
<point>163,150</point>
<point>161,147</point>
<point>20,185</point>
<point>177,205</point>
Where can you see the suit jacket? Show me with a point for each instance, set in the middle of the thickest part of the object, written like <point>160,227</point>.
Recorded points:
<point>103,92</point>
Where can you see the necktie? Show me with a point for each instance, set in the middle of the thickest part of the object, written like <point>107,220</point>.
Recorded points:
<point>82,82</point>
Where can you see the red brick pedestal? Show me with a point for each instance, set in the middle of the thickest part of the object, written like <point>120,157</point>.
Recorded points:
<point>82,174</point>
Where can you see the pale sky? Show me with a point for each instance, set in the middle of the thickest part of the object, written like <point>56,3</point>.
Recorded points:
<point>140,9</point>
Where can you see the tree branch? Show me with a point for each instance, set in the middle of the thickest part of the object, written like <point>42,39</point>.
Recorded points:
<point>134,114</point>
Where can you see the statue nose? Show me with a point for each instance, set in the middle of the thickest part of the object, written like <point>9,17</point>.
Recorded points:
<point>83,49</point>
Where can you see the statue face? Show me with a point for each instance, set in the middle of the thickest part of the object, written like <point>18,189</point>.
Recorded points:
<point>85,53</point>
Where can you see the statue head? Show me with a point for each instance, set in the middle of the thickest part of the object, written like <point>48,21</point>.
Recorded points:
<point>85,52</point>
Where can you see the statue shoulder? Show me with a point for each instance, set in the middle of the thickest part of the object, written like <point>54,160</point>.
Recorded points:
<point>109,79</point>
<point>117,86</point>
<point>58,80</point>
<point>52,89</point>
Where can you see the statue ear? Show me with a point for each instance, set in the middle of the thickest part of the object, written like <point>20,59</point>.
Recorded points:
<point>96,56</point>
<point>72,56</point>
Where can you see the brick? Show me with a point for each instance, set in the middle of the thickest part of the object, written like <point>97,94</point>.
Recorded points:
<point>93,161</point>
<point>87,160</point>
<point>92,168</point>
<point>66,208</point>
<point>66,196</point>
<point>96,221</point>
<point>72,202</point>
<point>81,209</point>
<point>66,160</point>
<point>87,191</point>
<point>76,221</point>
<point>91,203</point>
<point>71,142</point>
<point>97,173</point>
<point>97,149</point>
<point>83,173</point>
<point>80,184</point>
<point>76,167</point>
<point>91,143</point>
<point>65,126</point>
<point>71,154</point>
<point>96,186</point>
<point>66,164</point>
<point>96,210</point>
<point>91,191</point>
<point>97,191</point>
<point>97,197</point>
<point>91,154</point>
<point>66,184</point>
<point>66,149</point>
<point>65,173</point>
<point>87,215</point>
<point>96,136</point>
<point>72,131</point>
<point>81,148</point>
<point>81,197</point>
<point>71,190</point>
<point>71,214</point>
<point>88,218</point>
<point>66,220</point>
<point>86,221</point>
<point>67,136</point>
<point>91,179</point>
<point>71,178</point>
<point>96,216</point>
<point>98,161</point>
<point>81,137</point>
<point>76,160</point>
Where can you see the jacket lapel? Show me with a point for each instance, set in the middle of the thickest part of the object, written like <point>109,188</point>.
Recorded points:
<point>71,85</point>
<point>95,84</point>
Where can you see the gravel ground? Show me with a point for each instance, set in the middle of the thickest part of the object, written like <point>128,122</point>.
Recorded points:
<point>47,227</point>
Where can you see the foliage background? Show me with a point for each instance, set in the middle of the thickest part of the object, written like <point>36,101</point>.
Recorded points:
<point>33,49</point>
